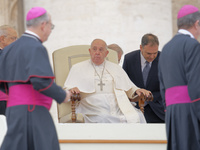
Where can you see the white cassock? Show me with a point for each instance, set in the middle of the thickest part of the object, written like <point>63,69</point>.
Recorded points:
<point>109,104</point>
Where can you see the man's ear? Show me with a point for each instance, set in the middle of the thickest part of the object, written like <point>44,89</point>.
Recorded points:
<point>107,52</point>
<point>2,41</point>
<point>196,24</point>
<point>2,38</point>
<point>43,25</point>
<point>140,47</point>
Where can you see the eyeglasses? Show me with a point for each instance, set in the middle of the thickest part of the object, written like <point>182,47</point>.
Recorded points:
<point>52,26</point>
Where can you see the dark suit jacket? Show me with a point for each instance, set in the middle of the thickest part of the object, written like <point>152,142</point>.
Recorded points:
<point>132,66</point>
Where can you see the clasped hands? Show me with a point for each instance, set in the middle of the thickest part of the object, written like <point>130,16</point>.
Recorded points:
<point>72,94</point>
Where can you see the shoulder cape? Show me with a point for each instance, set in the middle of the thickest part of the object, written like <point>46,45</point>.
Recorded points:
<point>23,59</point>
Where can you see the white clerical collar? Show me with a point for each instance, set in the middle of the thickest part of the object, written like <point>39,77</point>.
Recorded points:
<point>143,61</point>
<point>183,31</point>
<point>32,33</point>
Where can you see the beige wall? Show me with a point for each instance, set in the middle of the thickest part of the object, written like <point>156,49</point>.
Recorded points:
<point>116,21</point>
<point>11,13</point>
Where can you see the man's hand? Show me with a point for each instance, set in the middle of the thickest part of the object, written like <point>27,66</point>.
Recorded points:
<point>70,92</point>
<point>148,95</point>
<point>74,90</point>
<point>68,96</point>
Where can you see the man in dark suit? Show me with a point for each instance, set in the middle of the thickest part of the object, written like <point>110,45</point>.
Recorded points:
<point>142,68</point>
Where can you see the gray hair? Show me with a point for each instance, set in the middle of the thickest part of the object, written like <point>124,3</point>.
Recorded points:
<point>188,21</point>
<point>149,38</point>
<point>36,21</point>
<point>4,30</point>
<point>99,40</point>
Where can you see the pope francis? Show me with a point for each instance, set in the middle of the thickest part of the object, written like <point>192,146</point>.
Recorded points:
<point>105,89</point>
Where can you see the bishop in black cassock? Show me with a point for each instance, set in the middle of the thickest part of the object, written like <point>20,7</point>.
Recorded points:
<point>179,67</point>
<point>26,76</point>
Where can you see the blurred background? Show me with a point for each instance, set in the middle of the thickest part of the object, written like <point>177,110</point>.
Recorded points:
<point>77,22</point>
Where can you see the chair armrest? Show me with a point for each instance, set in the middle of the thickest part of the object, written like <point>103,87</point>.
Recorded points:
<point>141,100</point>
<point>75,97</point>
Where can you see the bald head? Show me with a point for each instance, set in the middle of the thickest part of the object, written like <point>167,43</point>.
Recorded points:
<point>118,49</point>
<point>7,35</point>
<point>99,41</point>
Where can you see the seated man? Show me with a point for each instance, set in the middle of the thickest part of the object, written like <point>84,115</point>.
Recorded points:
<point>104,87</point>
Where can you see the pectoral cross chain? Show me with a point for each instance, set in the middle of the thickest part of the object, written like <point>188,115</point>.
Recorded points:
<point>101,84</point>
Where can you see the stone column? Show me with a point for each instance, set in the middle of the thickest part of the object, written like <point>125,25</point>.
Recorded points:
<point>12,13</point>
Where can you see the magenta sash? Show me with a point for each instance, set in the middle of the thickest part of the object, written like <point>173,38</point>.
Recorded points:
<point>3,96</point>
<point>24,94</point>
<point>177,95</point>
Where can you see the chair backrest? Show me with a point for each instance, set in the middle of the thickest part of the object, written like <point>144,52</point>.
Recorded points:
<point>63,59</point>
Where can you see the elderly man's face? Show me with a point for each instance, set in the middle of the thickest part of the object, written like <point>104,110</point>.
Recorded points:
<point>47,29</point>
<point>9,38</point>
<point>98,52</point>
<point>149,52</point>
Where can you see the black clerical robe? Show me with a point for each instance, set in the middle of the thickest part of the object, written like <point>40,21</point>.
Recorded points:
<point>3,99</point>
<point>179,67</point>
<point>26,62</point>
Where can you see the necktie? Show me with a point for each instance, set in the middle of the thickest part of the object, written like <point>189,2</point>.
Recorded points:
<point>146,72</point>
